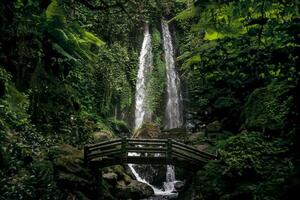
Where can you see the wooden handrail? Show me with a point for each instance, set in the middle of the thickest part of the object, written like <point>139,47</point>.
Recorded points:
<point>102,143</point>
<point>168,149</point>
<point>194,149</point>
<point>196,153</point>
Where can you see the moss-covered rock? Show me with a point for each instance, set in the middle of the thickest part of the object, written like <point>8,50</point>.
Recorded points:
<point>196,138</point>
<point>135,190</point>
<point>147,130</point>
<point>214,127</point>
<point>102,136</point>
<point>71,173</point>
<point>110,177</point>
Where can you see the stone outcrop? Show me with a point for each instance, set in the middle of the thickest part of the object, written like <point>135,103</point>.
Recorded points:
<point>102,136</point>
<point>77,181</point>
<point>135,190</point>
<point>147,131</point>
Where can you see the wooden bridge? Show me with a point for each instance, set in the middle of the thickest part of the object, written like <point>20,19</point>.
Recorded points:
<point>145,151</point>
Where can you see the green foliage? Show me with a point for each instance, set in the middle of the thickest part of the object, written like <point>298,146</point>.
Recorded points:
<point>249,165</point>
<point>156,82</point>
<point>268,107</point>
<point>69,40</point>
<point>239,59</point>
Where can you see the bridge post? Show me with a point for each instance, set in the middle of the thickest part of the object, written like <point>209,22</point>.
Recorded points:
<point>169,151</point>
<point>85,152</point>
<point>99,182</point>
<point>124,149</point>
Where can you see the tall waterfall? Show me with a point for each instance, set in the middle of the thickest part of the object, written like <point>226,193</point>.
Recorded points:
<point>141,112</point>
<point>174,97</point>
<point>173,113</point>
<point>145,66</point>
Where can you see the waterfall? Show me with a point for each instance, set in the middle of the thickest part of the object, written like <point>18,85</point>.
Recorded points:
<point>145,66</point>
<point>142,114</point>
<point>173,112</point>
<point>174,97</point>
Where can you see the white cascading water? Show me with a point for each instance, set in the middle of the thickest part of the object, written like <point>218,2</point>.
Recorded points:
<point>174,97</point>
<point>173,113</point>
<point>145,67</point>
<point>141,114</point>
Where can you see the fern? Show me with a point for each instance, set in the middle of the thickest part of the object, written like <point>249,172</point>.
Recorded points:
<point>189,13</point>
<point>54,11</point>
<point>60,50</point>
<point>69,40</point>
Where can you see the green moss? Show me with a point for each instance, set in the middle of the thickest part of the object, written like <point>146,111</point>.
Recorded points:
<point>156,83</point>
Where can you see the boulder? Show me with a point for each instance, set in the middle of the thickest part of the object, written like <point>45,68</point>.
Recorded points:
<point>102,136</point>
<point>70,171</point>
<point>179,186</point>
<point>121,172</point>
<point>135,190</point>
<point>214,127</point>
<point>147,131</point>
<point>196,138</point>
<point>110,177</point>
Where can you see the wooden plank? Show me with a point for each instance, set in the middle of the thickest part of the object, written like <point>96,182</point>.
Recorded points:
<point>145,148</point>
<point>192,153</point>
<point>211,156</point>
<point>106,146</point>
<point>147,143</point>
<point>147,140</point>
<point>85,153</point>
<point>188,157</point>
<point>103,143</point>
<point>124,150</point>
<point>114,152</point>
<point>194,149</point>
<point>103,153</point>
<point>162,151</point>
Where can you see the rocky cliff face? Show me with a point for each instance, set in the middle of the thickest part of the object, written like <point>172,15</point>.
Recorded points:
<point>78,182</point>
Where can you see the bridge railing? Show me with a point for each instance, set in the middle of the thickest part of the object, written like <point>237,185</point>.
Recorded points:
<point>132,149</point>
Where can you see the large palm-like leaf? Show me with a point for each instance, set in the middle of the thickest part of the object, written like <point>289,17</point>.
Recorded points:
<point>69,40</point>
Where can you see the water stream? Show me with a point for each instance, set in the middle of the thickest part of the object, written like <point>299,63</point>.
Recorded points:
<point>174,97</point>
<point>145,67</point>
<point>173,112</point>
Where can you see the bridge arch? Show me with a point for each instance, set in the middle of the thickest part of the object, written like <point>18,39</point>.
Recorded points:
<point>145,151</point>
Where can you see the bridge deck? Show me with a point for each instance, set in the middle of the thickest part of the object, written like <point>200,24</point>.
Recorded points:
<point>145,151</point>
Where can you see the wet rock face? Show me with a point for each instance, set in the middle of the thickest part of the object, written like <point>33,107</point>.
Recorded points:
<point>73,177</point>
<point>179,186</point>
<point>135,190</point>
<point>70,172</point>
<point>102,136</point>
<point>122,186</point>
<point>214,127</point>
<point>197,120</point>
<point>148,131</point>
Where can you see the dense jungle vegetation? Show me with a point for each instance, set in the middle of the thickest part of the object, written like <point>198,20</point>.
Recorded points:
<point>68,72</point>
